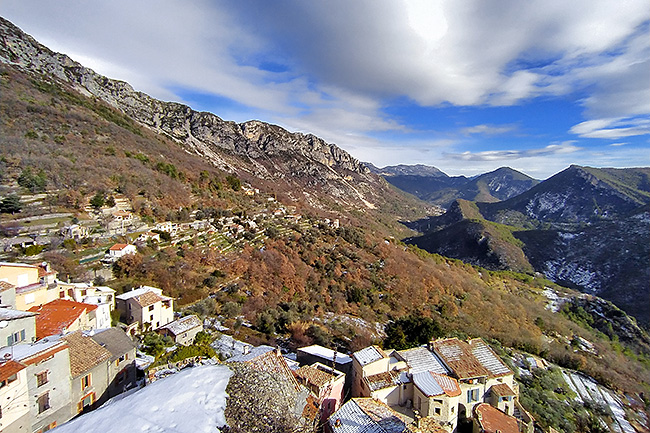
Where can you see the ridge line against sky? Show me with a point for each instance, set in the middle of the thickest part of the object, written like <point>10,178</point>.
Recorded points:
<point>464,86</point>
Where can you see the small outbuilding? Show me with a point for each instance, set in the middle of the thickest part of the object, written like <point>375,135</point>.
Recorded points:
<point>183,330</point>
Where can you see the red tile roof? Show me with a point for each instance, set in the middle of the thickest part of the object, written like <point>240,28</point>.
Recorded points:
<point>492,420</point>
<point>118,247</point>
<point>383,380</point>
<point>448,384</point>
<point>314,376</point>
<point>85,353</point>
<point>9,368</point>
<point>502,390</point>
<point>5,286</point>
<point>148,298</point>
<point>470,359</point>
<point>54,317</point>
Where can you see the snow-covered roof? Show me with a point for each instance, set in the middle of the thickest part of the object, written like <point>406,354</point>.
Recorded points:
<point>11,314</point>
<point>183,324</point>
<point>138,292</point>
<point>488,358</point>
<point>191,401</point>
<point>254,353</point>
<point>22,351</point>
<point>325,353</point>
<point>366,415</point>
<point>421,359</point>
<point>436,384</point>
<point>369,354</point>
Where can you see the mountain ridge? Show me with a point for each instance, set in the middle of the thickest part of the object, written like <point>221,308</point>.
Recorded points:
<point>434,186</point>
<point>263,148</point>
<point>586,228</point>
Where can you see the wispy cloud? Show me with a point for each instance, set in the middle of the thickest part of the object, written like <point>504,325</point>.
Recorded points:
<point>487,129</point>
<point>334,68</point>
<point>613,128</point>
<point>508,155</point>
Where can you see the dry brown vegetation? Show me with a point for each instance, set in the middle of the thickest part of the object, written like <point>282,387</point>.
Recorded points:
<point>285,288</point>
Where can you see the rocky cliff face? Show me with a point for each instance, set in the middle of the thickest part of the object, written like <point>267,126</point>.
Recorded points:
<point>253,148</point>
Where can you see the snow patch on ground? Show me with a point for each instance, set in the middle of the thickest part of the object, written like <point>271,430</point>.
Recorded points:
<point>574,272</point>
<point>192,401</point>
<point>588,389</point>
<point>554,300</point>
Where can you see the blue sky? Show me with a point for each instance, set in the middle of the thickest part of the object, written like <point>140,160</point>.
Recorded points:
<point>466,86</point>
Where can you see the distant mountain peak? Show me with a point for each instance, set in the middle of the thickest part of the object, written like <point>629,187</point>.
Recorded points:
<point>407,170</point>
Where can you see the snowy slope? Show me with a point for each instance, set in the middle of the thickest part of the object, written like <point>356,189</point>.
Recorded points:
<point>192,401</point>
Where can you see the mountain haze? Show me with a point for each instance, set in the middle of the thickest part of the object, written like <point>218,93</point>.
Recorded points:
<point>433,186</point>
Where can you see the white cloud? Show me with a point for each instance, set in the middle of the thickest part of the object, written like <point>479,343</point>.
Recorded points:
<point>341,63</point>
<point>506,155</point>
<point>613,128</point>
<point>484,129</point>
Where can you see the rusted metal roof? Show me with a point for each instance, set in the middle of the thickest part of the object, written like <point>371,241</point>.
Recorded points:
<point>470,359</point>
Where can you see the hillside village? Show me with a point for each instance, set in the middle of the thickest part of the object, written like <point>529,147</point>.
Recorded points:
<point>268,263</point>
<point>70,346</point>
<point>63,358</point>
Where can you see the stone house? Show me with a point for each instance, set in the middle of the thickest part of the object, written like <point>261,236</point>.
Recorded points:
<point>14,397</point>
<point>437,396</point>
<point>101,296</point>
<point>32,284</point>
<point>325,383</point>
<point>7,294</point>
<point>88,372</point>
<point>17,326</point>
<point>340,361</point>
<point>183,330</point>
<point>380,376</point>
<point>18,274</point>
<point>121,368</point>
<point>477,369</point>
<point>48,381</point>
<point>147,306</point>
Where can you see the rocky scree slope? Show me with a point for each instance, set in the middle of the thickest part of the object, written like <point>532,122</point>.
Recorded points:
<point>251,150</point>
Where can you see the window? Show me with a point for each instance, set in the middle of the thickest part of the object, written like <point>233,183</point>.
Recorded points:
<point>62,294</point>
<point>86,402</point>
<point>85,381</point>
<point>472,395</point>
<point>150,307</point>
<point>437,411</point>
<point>30,298</point>
<point>43,402</point>
<point>41,378</point>
<point>453,409</point>
<point>16,337</point>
